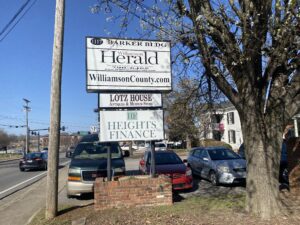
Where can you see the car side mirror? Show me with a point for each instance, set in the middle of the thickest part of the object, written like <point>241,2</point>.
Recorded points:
<point>126,153</point>
<point>185,161</point>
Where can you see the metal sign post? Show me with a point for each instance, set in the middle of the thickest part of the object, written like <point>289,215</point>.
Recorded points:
<point>109,175</point>
<point>152,169</point>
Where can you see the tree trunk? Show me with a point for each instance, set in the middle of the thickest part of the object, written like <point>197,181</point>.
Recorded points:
<point>262,140</point>
<point>188,142</point>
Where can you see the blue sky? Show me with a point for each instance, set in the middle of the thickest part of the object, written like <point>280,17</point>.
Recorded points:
<point>26,58</point>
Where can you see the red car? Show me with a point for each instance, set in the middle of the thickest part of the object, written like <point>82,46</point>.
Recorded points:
<point>168,163</point>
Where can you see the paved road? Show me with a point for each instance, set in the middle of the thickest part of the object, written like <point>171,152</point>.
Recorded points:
<point>12,179</point>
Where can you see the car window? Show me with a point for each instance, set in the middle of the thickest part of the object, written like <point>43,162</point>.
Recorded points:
<point>204,154</point>
<point>165,158</point>
<point>96,150</point>
<point>34,155</point>
<point>197,153</point>
<point>222,154</point>
<point>45,155</point>
<point>160,145</point>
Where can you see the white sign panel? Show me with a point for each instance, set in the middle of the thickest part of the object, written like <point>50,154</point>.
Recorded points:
<point>116,64</point>
<point>130,100</point>
<point>131,125</point>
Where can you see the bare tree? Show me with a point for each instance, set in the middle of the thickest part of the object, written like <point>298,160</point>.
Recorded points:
<point>4,140</point>
<point>250,50</point>
<point>186,107</point>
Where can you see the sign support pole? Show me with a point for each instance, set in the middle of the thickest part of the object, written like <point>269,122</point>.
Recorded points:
<point>152,169</point>
<point>109,164</point>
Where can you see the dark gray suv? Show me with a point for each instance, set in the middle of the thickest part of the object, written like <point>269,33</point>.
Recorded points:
<point>89,161</point>
<point>218,164</point>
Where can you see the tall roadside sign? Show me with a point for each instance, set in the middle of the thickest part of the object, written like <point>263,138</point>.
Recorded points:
<point>127,65</point>
<point>130,76</point>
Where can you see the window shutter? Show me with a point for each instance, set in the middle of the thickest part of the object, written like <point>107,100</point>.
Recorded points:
<point>233,136</point>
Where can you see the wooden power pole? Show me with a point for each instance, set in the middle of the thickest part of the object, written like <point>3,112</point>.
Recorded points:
<point>55,112</point>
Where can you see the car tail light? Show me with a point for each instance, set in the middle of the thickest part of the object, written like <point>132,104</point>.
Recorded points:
<point>188,172</point>
<point>38,159</point>
<point>142,162</point>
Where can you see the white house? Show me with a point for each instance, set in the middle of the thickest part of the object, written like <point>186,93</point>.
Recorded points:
<point>223,124</point>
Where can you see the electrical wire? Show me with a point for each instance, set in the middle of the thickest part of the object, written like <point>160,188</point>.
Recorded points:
<point>14,18</point>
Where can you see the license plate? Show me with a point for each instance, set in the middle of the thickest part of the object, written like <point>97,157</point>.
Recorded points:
<point>29,161</point>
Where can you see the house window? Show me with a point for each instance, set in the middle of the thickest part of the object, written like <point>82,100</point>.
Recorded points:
<point>230,118</point>
<point>231,136</point>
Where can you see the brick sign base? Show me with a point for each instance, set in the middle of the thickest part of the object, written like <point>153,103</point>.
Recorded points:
<point>132,191</point>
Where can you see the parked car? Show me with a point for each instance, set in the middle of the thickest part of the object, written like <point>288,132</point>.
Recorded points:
<point>283,170</point>
<point>89,161</point>
<point>45,149</point>
<point>161,146</point>
<point>34,160</point>
<point>168,163</point>
<point>218,164</point>
<point>70,151</point>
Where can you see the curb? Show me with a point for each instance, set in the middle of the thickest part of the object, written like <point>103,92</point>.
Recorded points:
<point>8,160</point>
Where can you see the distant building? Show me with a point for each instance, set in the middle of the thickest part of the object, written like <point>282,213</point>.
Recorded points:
<point>66,140</point>
<point>222,124</point>
<point>296,124</point>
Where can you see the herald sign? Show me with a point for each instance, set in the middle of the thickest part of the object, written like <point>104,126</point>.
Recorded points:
<point>122,64</point>
<point>130,100</point>
<point>132,125</point>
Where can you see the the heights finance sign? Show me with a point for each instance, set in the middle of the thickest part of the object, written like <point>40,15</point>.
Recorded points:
<point>127,65</point>
<point>131,125</point>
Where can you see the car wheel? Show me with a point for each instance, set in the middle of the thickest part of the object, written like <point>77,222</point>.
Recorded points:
<point>22,169</point>
<point>45,167</point>
<point>213,178</point>
<point>195,175</point>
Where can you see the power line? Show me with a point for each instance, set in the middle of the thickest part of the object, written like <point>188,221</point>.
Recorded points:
<point>15,17</point>
<point>12,126</point>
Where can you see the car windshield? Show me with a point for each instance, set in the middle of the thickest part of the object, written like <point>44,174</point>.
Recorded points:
<point>160,145</point>
<point>33,155</point>
<point>96,150</point>
<point>222,154</point>
<point>166,158</point>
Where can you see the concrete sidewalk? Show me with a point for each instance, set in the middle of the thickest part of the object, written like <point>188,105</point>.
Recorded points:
<point>19,208</point>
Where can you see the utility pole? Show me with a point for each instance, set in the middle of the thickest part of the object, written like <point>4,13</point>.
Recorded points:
<point>27,109</point>
<point>38,141</point>
<point>55,112</point>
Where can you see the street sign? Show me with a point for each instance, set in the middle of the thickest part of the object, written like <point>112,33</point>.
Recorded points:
<point>130,100</point>
<point>131,125</point>
<point>93,129</point>
<point>122,64</point>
